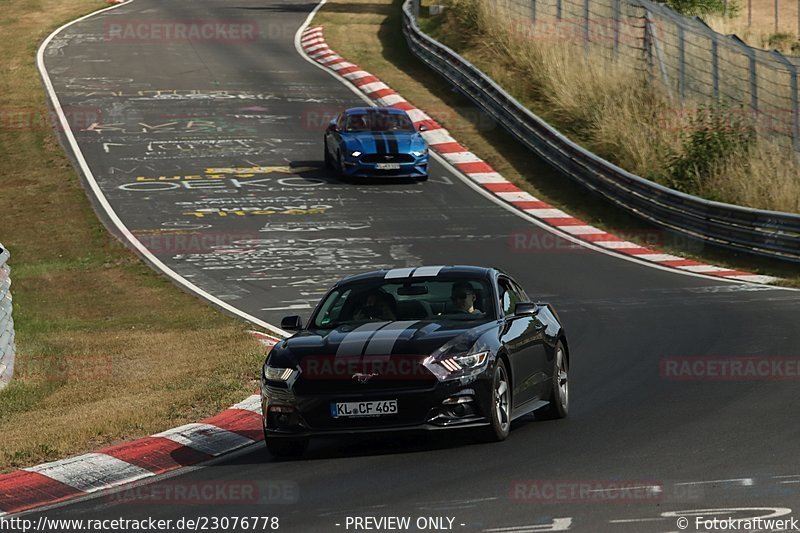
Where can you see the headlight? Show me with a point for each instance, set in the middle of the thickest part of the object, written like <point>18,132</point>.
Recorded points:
<point>279,374</point>
<point>459,366</point>
<point>420,153</point>
<point>356,153</point>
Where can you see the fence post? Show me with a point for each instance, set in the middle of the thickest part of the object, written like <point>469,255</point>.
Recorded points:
<point>558,10</point>
<point>533,12</point>
<point>793,87</point>
<point>616,23</point>
<point>586,25</point>
<point>654,52</point>
<point>681,60</point>
<point>7,345</point>
<point>714,56</point>
<point>751,56</point>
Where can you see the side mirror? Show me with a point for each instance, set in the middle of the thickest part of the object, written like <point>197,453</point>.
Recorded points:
<point>423,127</point>
<point>526,308</point>
<point>292,323</point>
<point>332,127</point>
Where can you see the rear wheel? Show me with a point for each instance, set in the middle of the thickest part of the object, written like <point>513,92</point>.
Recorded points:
<point>559,388</point>
<point>500,405</point>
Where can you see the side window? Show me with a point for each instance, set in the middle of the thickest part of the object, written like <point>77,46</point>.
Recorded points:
<point>509,297</point>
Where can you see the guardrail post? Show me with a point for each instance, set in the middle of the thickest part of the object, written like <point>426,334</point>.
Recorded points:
<point>793,87</point>
<point>7,345</point>
<point>751,55</point>
<point>586,37</point>
<point>681,60</point>
<point>616,23</point>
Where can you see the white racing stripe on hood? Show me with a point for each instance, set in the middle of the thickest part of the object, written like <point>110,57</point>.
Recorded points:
<point>353,343</point>
<point>382,343</point>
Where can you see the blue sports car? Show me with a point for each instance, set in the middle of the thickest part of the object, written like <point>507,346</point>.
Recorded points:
<point>376,142</point>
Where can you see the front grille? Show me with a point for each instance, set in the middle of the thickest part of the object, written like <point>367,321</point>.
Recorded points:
<point>387,158</point>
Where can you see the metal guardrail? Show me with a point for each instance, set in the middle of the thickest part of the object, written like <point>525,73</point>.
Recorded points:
<point>7,346</point>
<point>766,233</point>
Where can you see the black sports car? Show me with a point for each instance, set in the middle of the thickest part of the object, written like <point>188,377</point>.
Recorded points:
<point>415,348</point>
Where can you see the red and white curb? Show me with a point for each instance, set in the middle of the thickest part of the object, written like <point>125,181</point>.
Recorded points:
<point>191,444</point>
<point>314,45</point>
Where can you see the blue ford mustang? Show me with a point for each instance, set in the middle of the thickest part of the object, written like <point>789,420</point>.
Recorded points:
<point>376,142</point>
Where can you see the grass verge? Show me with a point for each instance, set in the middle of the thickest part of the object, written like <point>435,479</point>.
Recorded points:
<point>368,32</point>
<point>107,349</point>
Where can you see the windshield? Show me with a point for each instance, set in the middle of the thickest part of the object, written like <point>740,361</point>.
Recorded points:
<point>382,300</point>
<point>376,121</point>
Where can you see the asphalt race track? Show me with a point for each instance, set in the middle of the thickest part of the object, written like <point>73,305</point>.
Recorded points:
<point>210,152</point>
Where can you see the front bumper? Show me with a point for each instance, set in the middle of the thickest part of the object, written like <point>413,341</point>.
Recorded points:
<point>359,169</point>
<point>422,409</point>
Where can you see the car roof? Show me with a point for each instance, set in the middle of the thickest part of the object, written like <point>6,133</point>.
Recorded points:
<point>364,110</point>
<point>423,272</point>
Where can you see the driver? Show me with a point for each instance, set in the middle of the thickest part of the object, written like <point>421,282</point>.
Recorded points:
<point>463,297</point>
<point>377,305</point>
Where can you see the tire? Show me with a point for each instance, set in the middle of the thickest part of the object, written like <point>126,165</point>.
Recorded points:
<point>500,405</point>
<point>340,167</point>
<point>281,447</point>
<point>559,388</point>
<point>328,160</point>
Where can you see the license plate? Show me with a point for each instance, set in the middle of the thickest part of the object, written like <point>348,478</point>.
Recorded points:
<point>361,409</point>
<point>387,166</point>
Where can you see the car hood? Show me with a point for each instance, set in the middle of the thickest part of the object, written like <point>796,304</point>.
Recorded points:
<point>389,142</point>
<point>398,338</point>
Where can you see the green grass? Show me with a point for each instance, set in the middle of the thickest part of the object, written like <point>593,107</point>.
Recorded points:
<point>108,350</point>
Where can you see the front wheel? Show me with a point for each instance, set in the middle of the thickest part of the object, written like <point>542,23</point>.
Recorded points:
<point>559,388</point>
<point>500,406</point>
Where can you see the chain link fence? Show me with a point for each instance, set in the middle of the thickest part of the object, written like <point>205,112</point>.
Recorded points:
<point>7,346</point>
<point>696,64</point>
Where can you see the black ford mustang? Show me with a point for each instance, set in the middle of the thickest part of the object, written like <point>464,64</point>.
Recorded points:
<point>415,348</point>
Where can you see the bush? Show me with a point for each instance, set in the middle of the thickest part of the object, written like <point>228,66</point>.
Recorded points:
<point>715,135</point>
<point>698,8</point>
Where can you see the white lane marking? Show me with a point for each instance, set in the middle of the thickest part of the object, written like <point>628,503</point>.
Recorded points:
<point>356,75</point>
<point>206,438</point>
<point>462,157</point>
<point>287,307</point>
<point>618,244</point>
<point>428,271</point>
<point>437,136</point>
<point>558,524</point>
<point>743,481</point>
<point>703,268</point>
<point>487,177</point>
<point>516,196</point>
<point>396,273</point>
<point>374,86</point>
<point>382,343</point>
<point>754,278</point>
<point>510,208</point>
<point>252,403</point>
<point>660,257</point>
<point>125,233</point>
<point>417,115</point>
<point>91,472</point>
<point>391,99</point>
<point>353,343</point>
<point>548,213</point>
<point>340,66</point>
<point>581,230</point>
